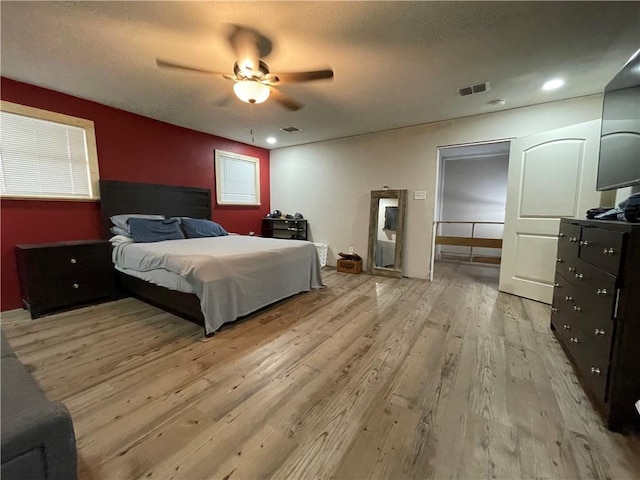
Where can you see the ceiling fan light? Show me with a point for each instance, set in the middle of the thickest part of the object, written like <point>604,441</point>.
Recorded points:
<point>250,91</point>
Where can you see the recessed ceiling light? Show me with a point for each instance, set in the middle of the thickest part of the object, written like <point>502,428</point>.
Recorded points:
<point>271,140</point>
<point>553,84</point>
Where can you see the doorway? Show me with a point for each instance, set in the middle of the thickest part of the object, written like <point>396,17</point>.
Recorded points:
<point>470,204</point>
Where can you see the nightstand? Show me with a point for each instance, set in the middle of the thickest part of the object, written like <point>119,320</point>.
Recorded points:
<point>56,276</point>
<point>295,229</point>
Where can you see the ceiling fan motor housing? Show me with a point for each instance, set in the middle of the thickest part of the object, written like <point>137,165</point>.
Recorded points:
<point>260,74</point>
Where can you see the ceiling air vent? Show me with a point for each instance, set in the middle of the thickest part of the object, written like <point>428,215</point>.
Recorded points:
<point>291,129</point>
<point>479,88</point>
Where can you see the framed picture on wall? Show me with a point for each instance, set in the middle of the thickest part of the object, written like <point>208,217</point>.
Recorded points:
<point>237,179</point>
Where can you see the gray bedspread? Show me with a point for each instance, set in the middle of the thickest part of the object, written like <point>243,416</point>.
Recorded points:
<point>232,275</point>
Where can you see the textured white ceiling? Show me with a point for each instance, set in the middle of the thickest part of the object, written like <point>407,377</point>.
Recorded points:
<point>396,63</point>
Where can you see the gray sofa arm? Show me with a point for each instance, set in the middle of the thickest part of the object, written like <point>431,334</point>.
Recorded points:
<point>38,440</point>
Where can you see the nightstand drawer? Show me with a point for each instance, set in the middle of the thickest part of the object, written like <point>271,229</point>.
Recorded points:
<point>80,288</point>
<point>63,274</point>
<point>54,262</point>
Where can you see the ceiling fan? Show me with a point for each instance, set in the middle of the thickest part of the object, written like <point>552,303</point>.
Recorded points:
<point>253,81</point>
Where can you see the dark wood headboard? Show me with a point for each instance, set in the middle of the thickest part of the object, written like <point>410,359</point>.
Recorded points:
<point>123,197</point>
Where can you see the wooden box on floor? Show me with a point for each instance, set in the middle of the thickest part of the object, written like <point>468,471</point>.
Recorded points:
<point>349,266</point>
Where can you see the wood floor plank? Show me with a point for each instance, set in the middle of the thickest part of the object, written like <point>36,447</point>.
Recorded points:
<point>370,377</point>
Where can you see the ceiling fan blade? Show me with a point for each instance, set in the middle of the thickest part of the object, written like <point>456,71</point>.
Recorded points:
<point>223,101</point>
<point>295,77</point>
<point>248,46</point>
<point>166,64</point>
<point>285,100</point>
<point>262,43</point>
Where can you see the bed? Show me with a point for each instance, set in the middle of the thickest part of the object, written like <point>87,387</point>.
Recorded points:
<point>211,281</point>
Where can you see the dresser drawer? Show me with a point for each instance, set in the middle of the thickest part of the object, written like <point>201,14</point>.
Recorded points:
<point>73,260</point>
<point>568,269</point>
<point>568,242</point>
<point>594,303</point>
<point>562,313</point>
<point>594,370</point>
<point>602,248</point>
<point>79,288</point>
<point>600,338</point>
<point>590,365</point>
<point>595,291</point>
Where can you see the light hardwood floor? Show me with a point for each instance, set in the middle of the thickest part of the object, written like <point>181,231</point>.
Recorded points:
<point>371,377</point>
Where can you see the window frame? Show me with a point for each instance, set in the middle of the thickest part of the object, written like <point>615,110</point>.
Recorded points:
<point>92,150</point>
<point>221,175</point>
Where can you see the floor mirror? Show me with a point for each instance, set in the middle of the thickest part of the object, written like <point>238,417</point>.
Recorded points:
<point>386,232</point>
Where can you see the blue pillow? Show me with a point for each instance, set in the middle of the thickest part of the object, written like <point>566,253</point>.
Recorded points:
<point>121,221</point>
<point>198,228</point>
<point>144,230</point>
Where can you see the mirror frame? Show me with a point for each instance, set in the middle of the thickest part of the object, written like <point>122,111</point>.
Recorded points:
<point>376,195</point>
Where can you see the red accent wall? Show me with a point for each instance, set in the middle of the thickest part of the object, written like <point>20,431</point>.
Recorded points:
<point>131,148</point>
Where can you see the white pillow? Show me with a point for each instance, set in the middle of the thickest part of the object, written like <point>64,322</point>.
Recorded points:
<point>119,239</point>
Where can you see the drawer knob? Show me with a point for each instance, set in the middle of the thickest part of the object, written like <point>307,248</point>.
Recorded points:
<point>599,332</point>
<point>608,251</point>
<point>573,340</point>
<point>576,308</point>
<point>554,309</point>
<point>559,260</point>
<point>566,327</point>
<point>601,291</point>
<point>584,243</point>
<point>595,371</point>
<point>561,235</point>
<point>572,269</point>
<point>573,239</point>
<point>568,298</point>
<point>75,285</point>
<point>579,276</point>
<point>557,285</point>
<point>73,260</point>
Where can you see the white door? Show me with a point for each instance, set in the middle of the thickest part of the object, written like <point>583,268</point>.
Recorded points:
<point>551,175</point>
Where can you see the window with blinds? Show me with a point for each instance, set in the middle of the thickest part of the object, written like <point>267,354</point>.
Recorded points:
<point>237,179</point>
<point>44,157</point>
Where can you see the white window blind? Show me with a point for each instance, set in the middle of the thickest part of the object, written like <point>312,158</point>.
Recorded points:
<point>237,179</point>
<point>43,158</point>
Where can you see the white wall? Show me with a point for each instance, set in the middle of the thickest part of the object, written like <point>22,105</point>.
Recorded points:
<point>330,182</point>
<point>474,190</point>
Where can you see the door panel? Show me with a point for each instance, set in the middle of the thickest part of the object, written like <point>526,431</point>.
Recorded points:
<point>555,197</point>
<point>530,268</point>
<point>551,175</point>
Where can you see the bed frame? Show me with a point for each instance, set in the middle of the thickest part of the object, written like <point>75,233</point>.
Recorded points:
<point>122,197</point>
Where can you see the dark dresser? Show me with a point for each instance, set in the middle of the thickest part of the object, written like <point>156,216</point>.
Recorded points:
<point>55,276</point>
<point>284,228</point>
<point>596,312</point>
